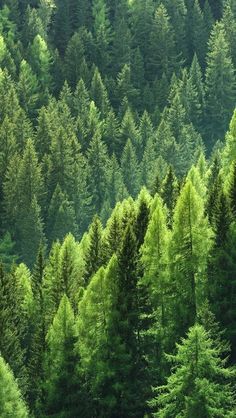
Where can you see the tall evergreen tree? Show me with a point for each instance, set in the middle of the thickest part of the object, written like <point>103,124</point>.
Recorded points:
<point>11,402</point>
<point>220,85</point>
<point>190,244</point>
<point>61,385</point>
<point>194,388</point>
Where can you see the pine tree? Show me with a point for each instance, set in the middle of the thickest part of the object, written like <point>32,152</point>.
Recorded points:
<point>194,388</point>
<point>111,134</point>
<point>229,151</point>
<point>196,32</point>
<point>142,25</point>
<point>61,217</point>
<point>178,16</point>
<point>146,129</point>
<point>232,189</point>
<point>229,24</point>
<point>22,194</point>
<point>98,344</point>
<point>28,89</point>
<point>8,257</point>
<point>97,167</point>
<point>61,385</point>
<point>129,130</point>
<point>127,328</point>
<point>148,165</point>
<point>221,283</point>
<point>130,169</point>
<point>12,329</point>
<point>125,88</point>
<point>196,78</point>
<point>113,234</point>
<point>162,56</point>
<point>220,85</point>
<point>30,232</point>
<point>116,190</point>
<point>74,57</point>
<point>190,99</point>
<point>155,260</point>
<point>62,29</point>
<point>37,343</point>
<point>121,51</point>
<point>94,253</point>
<point>169,191</point>
<point>102,34</point>
<point>41,62</point>
<point>99,94</point>
<point>190,245</point>
<point>11,402</point>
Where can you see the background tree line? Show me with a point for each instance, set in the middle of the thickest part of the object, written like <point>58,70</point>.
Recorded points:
<point>98,99</point>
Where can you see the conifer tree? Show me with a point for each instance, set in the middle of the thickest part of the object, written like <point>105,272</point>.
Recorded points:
<point>12,329</point>
<point>111,134</point>
<point>155,260</point>
<point>196,78</point>
<point>142,24</point>
<point>37,343</point>
<point>61,217</point>
<point>178,15</point>
<point>11,401</point>
<point>190,245</point>
<point>194,389</point>
<point>125,88</point>
<point>94,253</point>
<point>99,94</point>
<point>97,167</point>
<point>127,324</point>
<point>169,191</point>
<point>142,217</point>
<point>121,51</point>
<point>163,58</point>
<point>22,194</point>
<point>102,33</point>
<point>98,345</point>
<point>62,29</point>
<point>229,24</point>
<point>116,190</point>
<point>129,130</point>
<point>229,151</point>
<point>61,385</point>
<point>28,89</point>
<point>41,62</point>
<point>130,169</point>
<point>74,57</point>
<point>220,85</point>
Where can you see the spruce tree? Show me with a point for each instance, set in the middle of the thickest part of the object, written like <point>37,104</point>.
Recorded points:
<point>102,34</point>
<point>162,57</point>
<point>130,169</point>
<point>220,85</point>
<point>12,328</point>
<point>190,245</point>
<point>94,253</point>
<point>198,385</point>
<point>97,168</point>
<point>74,57</point>
<point>61,386</point>
<point>11,401</point>
<point>28,89</point>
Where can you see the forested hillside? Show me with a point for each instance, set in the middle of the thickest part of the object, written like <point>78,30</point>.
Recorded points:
<point>117,208</point>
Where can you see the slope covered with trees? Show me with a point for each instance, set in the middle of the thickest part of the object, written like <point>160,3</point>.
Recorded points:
<point>117,208</point>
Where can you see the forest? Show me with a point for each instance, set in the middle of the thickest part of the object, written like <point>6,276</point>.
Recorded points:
<point>117,208</point>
